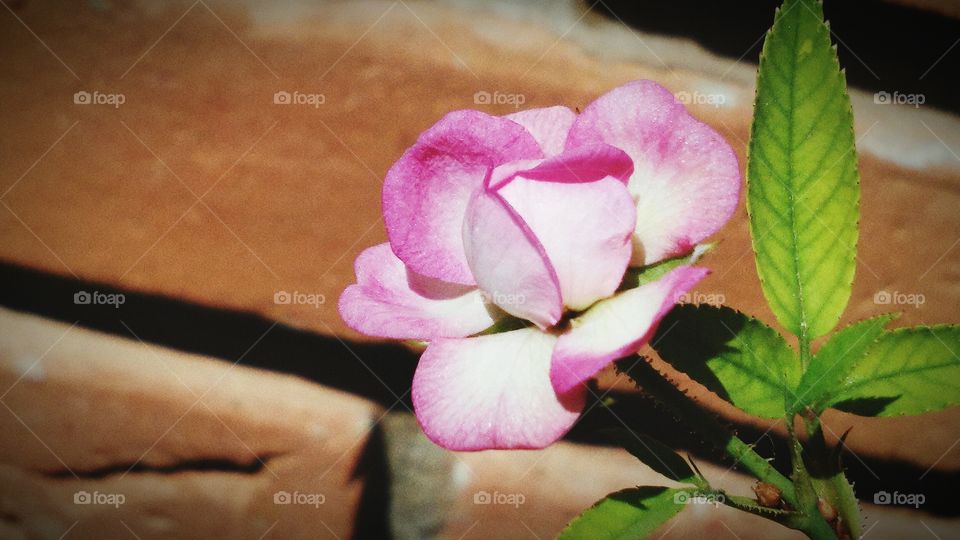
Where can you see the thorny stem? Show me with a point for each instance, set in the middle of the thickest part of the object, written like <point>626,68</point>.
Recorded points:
<point>798,491</point>
<point>812,523</point>
<point>759,467</point>
<point>707,425</point>
<point>746,504</point>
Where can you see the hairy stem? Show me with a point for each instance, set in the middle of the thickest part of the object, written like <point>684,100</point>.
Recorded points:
<point>813,523</point>
<point>707,425</point>
<point>759,467</point>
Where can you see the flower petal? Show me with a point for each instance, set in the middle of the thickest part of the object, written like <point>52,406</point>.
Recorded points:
<point>585,230</point>
<point>549,126</point>
<point>390,301</point>
<point>508,262</point>
<point>686,179</point>
<point>425,193</point>
<point>617,327</point>
<point>587,163</point>
<point>492,392</point>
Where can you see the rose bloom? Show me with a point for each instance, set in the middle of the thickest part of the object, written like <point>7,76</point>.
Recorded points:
<point>509,239</point>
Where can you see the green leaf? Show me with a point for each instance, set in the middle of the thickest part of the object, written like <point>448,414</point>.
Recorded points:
<point>834,361</point>
<point>907,371</point>
<point>627,515</point>
<point>656,455</point>
<point>635,277</point>
<point>737,357</point>
<point>803,188</point>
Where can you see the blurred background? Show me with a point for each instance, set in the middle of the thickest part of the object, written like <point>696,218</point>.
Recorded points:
<point>184,188</point>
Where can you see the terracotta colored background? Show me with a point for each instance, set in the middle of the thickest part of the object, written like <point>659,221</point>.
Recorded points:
<point>201,199</point>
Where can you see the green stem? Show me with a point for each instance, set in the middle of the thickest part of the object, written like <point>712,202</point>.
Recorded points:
<point>759,467</point>
<point>749,505</point>
<point>804,348</point>
<point>829,481</point>
<point>708,426</point>
<point>745,504</point>
<point>813,523</point>
<point>812,423</point>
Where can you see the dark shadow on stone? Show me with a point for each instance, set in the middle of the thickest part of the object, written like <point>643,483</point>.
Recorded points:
<point>380,372</point>
<point>228,335</point>
<point>869,475</point>
<point>865,406</point>
<point>690,335</point>
<point>882,46</point>
<point>371,519</point>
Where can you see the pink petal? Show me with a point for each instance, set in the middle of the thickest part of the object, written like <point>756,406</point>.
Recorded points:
<point>549,126</point>
<point>389,301</point>
<point>585,230</point>
<point>492,391</point>
<point>686,179</point>
<point>587,163</point>
<point>426,191</point>
<point>617,327</point>
<point>508,262</point>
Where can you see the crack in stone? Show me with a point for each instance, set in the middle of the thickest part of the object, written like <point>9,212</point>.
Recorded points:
<point>252,467</point>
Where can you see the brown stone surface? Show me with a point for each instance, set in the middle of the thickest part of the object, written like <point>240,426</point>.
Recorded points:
<point>564,479</point>
<point>946,7</point>
<point>206,457</point>
<point>289,195</point>
<point>197,447</point>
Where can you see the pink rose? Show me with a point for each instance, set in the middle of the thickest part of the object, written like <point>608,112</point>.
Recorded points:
<point>533,218</point>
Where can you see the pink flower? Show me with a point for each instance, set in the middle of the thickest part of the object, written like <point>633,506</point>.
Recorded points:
<point>536,216</point>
